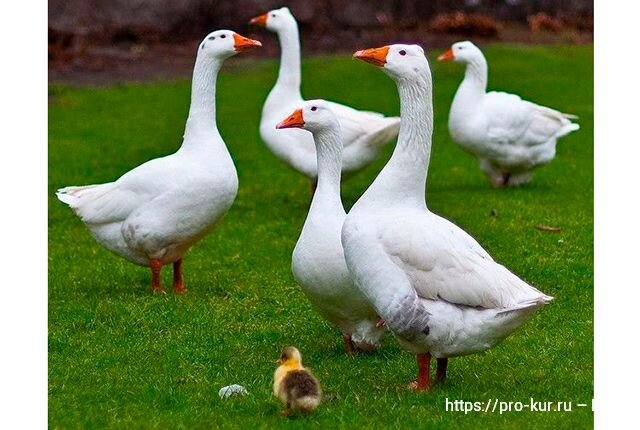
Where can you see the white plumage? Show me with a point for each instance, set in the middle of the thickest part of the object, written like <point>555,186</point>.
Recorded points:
<point>509,136</point>
<point>152,214</point>
<point>437,289</point>
<point>318,262</point>
<point>364,133</point>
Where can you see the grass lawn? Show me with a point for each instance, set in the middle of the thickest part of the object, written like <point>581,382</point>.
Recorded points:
<point>120,357</point>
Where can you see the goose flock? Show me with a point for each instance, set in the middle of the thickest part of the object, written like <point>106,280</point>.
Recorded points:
<point>390,264</point>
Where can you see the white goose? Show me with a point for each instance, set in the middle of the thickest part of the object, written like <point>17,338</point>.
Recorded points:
<point>154,213</point>
<point>437,290</point>
<point>509,136</point>
<point>364,133</point>
<point>318,263</point>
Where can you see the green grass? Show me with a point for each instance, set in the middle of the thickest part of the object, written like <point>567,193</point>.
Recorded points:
<point>120,357</point>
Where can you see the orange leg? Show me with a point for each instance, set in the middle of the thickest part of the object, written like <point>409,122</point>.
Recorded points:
<point>441,369</point>
<point>423,383</point>
<point>178,282</point>
<point>156,267</point>
<point>348,344</point>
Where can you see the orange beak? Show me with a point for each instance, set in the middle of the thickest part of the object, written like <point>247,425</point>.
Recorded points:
<point>447,55</point>
<point>259,20</point>
<point>241,43</point>
<point>375,56</point>
<point>294,120</point>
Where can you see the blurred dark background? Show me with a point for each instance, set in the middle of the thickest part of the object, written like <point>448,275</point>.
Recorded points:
<point>94,40</point>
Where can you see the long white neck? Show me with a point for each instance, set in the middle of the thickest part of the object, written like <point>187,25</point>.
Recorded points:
<point>202,112</point>
<point>404,177</point>
<point>289,73</point>
<point>474,84</point>
<point>329,153</point>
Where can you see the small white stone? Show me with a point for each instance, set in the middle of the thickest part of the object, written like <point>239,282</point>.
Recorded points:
<point>232,390</point>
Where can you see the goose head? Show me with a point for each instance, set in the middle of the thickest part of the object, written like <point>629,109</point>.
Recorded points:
<point>222,44</point>
<point>398,61</point>
<point>275,20</point>
<point>463,52</point>
<point>314,115</point>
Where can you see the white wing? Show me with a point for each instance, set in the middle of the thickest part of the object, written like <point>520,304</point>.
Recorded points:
<point>444,262</point>
<point>99,204</point>
<point>513,121</point>
<point>115,201</point>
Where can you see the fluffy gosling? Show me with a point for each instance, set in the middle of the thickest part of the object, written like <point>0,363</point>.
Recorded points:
<point>294,385</point>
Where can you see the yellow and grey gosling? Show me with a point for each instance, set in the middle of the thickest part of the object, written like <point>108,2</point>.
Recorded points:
<point>294,385</point>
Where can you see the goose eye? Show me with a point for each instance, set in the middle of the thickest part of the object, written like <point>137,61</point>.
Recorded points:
<point>313,108</point>
<point>403,52</point>
<point>223,36</point>
<point>273,15</point>
<point>212,38</point>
